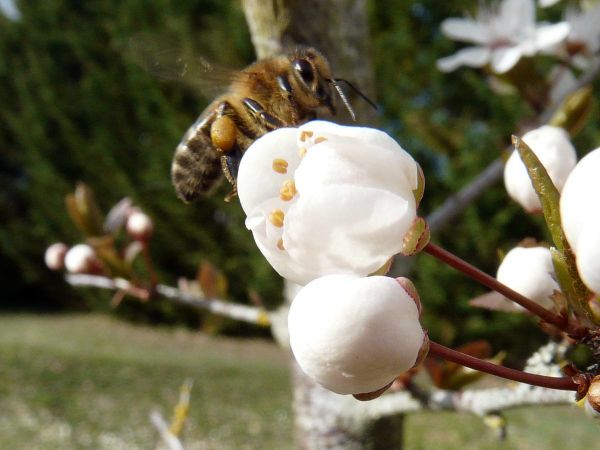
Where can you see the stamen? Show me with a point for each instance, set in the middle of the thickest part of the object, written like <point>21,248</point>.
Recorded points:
<point>320,139</point>
<point>276,218</point>
<point>302,151</point>
<point>280,244</point>
<point>304,135</point>
<point>280,165</point>
<point>288,190</point>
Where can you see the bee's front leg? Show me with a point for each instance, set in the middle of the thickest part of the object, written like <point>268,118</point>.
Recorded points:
<point>268,121</point>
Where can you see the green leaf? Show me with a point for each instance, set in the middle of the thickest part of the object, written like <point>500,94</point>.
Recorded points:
<point>563,257</point>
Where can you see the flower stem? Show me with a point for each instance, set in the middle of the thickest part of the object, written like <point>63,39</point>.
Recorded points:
<point>562,383</point>
<point>461,265</point>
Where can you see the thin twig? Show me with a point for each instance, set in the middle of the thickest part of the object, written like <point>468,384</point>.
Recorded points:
<point>243,313</point>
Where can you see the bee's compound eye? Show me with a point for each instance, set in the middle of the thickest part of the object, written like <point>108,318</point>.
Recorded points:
<point>305,69</point>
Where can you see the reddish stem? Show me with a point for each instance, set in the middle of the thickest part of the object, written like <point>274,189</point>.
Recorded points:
<point>562,383</point>
<point>461,265</point>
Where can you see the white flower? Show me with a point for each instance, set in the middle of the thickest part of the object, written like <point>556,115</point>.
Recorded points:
<point>530,272</point>
<point>55,256</point>
<point>580,217</point>
<point>584,37</point>
<point>139,225</point>
<point>326,198</point>
<point>355,335</point>
<point>556,153</point>
<point>81,259</point>
<point>502,36</point>
<point>547,3</point>
<point>10,10</point>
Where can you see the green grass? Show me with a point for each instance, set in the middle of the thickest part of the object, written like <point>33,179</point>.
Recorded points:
<point>89,382</point>
<point>74,382</point>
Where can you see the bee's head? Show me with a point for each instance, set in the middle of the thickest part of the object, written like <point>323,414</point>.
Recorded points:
<point>311,79</point>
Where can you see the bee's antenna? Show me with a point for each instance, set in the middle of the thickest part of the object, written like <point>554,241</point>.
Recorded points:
<point>355,89</point>
<point>342,95</point>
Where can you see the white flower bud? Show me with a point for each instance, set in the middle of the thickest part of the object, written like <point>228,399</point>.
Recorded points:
<point>580,217</point>
<point>326,198</point>
<point>355,335</point>
<point>55,256</point>
<point>81,259</point>
<point>556,153</point>
<point>139,225</point>
<point>530,272</point>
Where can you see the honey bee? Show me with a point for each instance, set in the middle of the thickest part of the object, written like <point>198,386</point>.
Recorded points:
<point>281,91</point>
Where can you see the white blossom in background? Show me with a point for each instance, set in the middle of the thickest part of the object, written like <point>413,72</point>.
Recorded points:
<point>583,40</point>
<point>547,3</point>
<point>553,148</point>
<point>502,36</point>
<point>54,257</point>
<point>139,225</point>
<point>326,198</point>
<point>580,217</point>
<point>355,335</point>
<point>529,271</point>
<point>9,9</point>
<point>81,259</point>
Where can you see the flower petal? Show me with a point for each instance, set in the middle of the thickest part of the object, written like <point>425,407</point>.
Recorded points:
<point>470,56</point>
<point>588,255</point>
<point>257,181</point>
<point>354,335</point>
<point>547,36</point>
<point>365,165</point>
<point>466,30</point>
<point>505,58</point>
<point>347,229</point>
<point>580,197</point>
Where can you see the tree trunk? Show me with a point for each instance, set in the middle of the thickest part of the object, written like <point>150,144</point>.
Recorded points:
<point>338,29</point>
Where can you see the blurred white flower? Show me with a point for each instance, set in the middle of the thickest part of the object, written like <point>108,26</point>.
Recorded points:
<point>326,198</point>
<point>355,335</point>
<point>584,38</point>
<point>81,259</point>
<point>139,225</point>
<point>10,10</point>
<point>503,36</point>
<point>556,153</point>
<point>580,217</point>
<point>547,3</point>
<point>55,256</point>
<point>530,272</point>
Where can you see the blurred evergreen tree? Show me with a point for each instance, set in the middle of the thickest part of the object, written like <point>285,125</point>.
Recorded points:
<point>76,106</point>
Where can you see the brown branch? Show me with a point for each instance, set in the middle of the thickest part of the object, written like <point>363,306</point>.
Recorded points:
<point>561,383</point>
<point>461,265</point>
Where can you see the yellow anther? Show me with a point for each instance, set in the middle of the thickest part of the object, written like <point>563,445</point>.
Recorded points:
<point>276,218</point>
<point>302,151</point>
<point>280,165</point>
<point>288,190</point>
<point>320,139</point>
<point>304,135</point>
<point>280,244</point>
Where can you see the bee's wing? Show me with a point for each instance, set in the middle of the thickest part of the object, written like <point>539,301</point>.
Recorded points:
<point>169,62</point>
